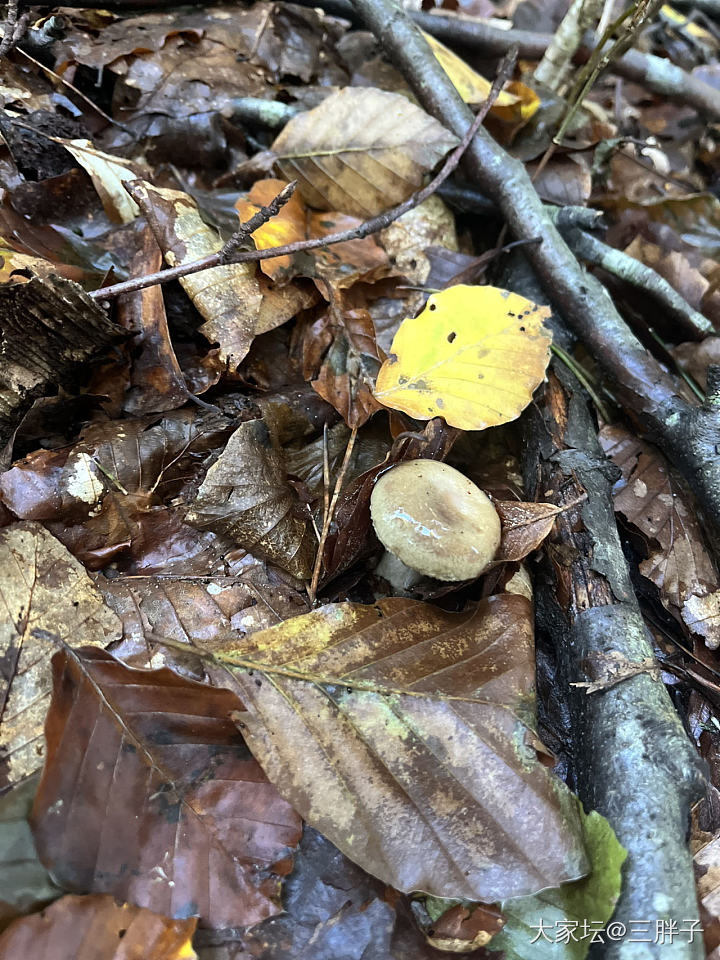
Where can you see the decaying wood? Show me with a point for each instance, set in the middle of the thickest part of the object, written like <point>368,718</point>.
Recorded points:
<point>631,758</point>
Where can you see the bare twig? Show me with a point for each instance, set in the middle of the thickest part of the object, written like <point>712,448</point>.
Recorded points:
<point>242,236</point>
<point>327,520</point>
<point>365,229</point>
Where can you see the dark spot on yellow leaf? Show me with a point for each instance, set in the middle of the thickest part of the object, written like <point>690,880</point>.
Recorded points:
<point>451,336</point>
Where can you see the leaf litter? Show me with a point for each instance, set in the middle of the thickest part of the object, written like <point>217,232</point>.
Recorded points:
<point>183,538</point>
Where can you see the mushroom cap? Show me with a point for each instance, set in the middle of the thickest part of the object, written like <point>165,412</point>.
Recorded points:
<point>435,520</point>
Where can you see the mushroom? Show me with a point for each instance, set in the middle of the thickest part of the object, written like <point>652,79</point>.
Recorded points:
<point>433,520</point>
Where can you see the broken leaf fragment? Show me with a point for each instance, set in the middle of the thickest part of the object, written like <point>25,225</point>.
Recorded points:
<point>474,356</point>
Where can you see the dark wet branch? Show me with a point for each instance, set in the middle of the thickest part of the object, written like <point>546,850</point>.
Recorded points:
<point>630,758</point>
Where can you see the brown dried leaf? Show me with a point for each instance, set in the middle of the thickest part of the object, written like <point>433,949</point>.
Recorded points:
<point>156,381</point>
<point>361,151</point>
<point>655,501</point>
<point>245,496</point>
<point>45,593</point>
<point>228,297</point>
<point>695,358</point>
<point>149,794</point>
<point>180,609</point>
<point>395,730</point>
<point>679,273</point>
<point>524,527</point>
<point>87,928</point>
<point>340,357</point>
<point>49,330</point>
<point>123,456</point>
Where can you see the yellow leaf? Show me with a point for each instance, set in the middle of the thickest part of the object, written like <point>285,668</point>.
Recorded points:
<point>473,356</point>
<point>288,226</point>
<point>515,104</point>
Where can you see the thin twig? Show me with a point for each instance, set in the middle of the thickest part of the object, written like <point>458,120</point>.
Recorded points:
<point>312,592</point>
<point>70,86</point>
<point>373,225</point>
<point>243,234</point>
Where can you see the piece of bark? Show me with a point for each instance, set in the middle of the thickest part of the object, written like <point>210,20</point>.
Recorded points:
<point>632,760</point>
<point>49,330</point>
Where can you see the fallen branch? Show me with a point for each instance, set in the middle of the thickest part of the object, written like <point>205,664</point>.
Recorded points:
<point>230,254</point>
<point>631,759</point>
<point>14,28</point>
<point>689,435</point>
<point>575,223</point>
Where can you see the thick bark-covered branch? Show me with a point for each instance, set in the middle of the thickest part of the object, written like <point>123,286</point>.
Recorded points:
<point>631,758</point>
<point>643,386</point>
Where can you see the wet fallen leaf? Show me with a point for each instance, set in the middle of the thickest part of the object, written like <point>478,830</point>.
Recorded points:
<point>376,730</point>
<point>156,381</point>
<point>695,358</point>
<point>340,357</point>
<point>473,356</point>
<point>86,928</point>
<point>150,794</point>
<point>47,596</point>
<point>245,496</point>
<point>25,884</point>
<point>361,151</point>
<point>127,457</point>
<point>407,240</point>
<point>655,501</point>
<point>108,174</point>
<point>591,900</point>
<point>332,909</point>
<point>214,608</point>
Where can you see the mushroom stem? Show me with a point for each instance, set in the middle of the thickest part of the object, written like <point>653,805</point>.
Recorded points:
<point>399,575</point>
